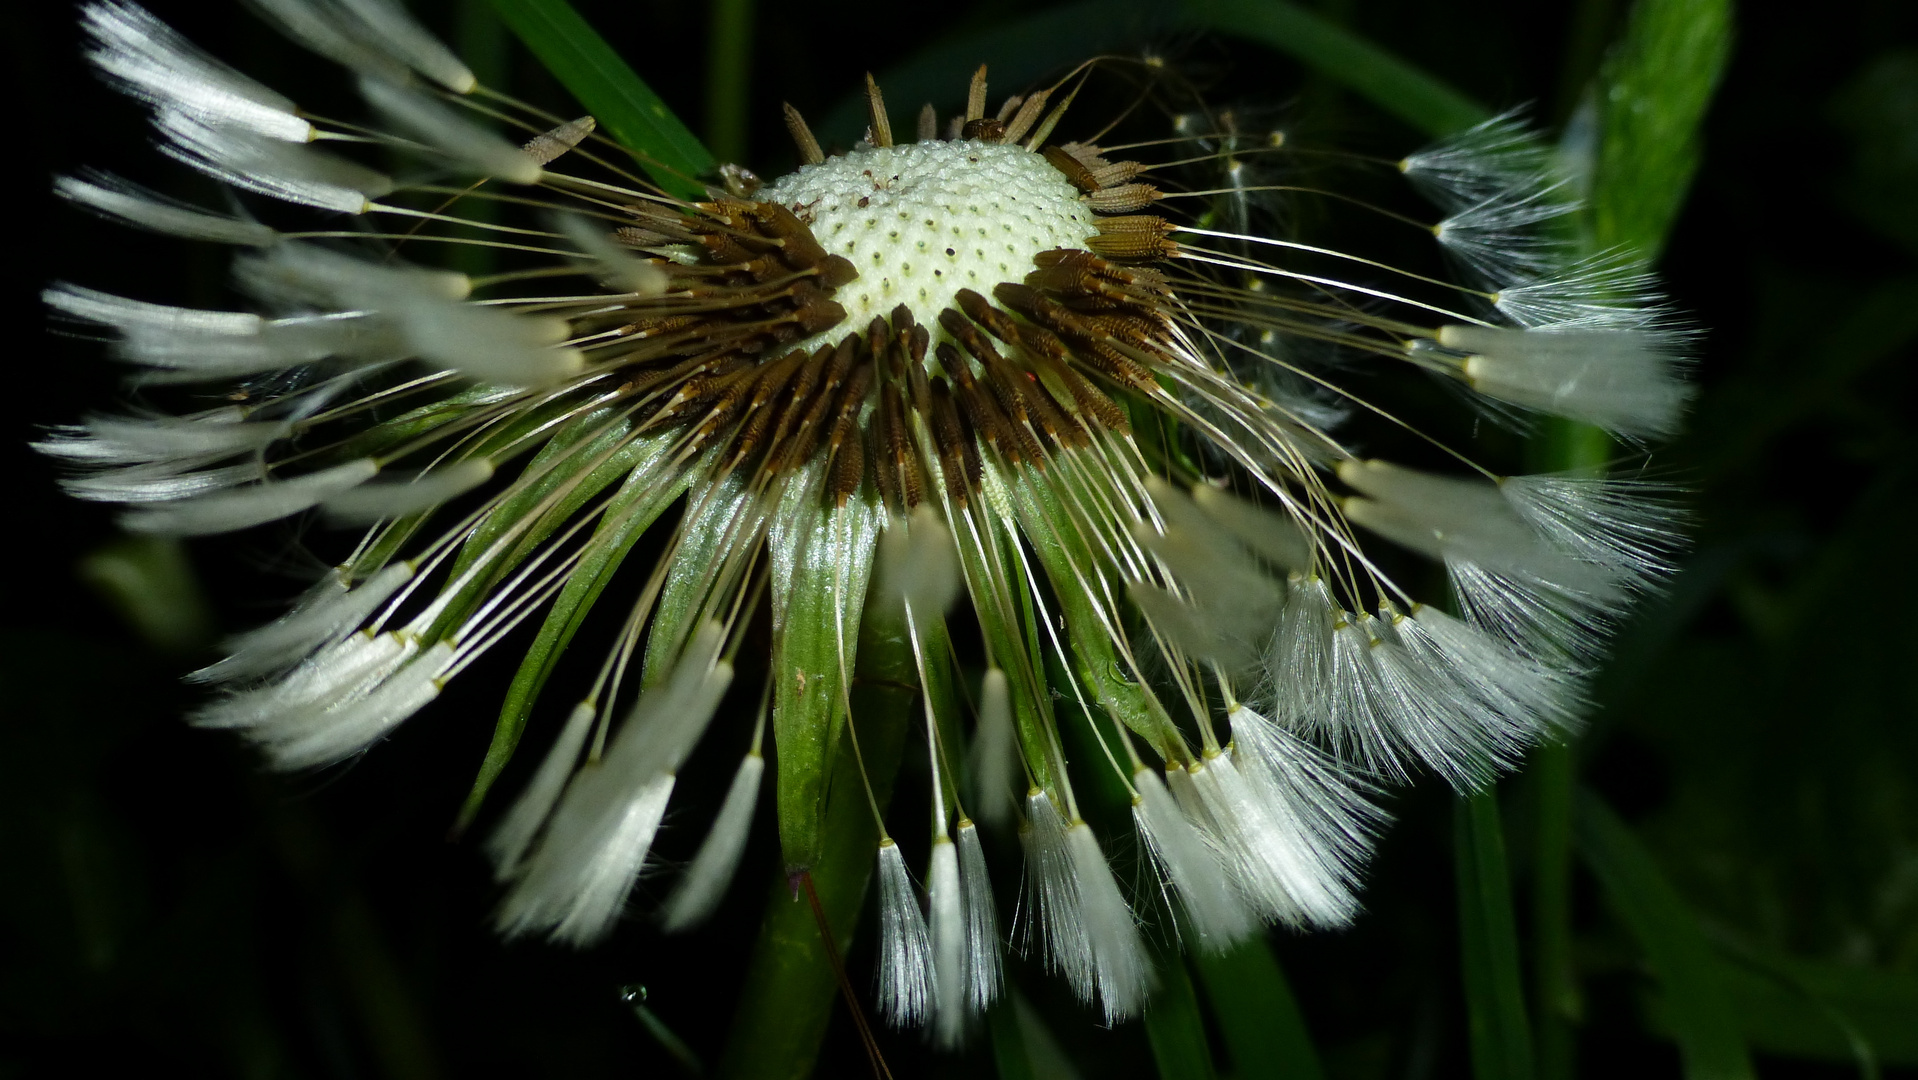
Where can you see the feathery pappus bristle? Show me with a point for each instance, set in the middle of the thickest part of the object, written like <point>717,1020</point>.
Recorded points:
<point>906,984</point>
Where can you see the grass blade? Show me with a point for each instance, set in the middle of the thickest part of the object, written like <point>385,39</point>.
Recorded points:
<point>1253,1005</point>
<point>1488,944</point>
<point>1009,1054</point>
<point>1688,972</point>
<point>627,109</point>
<point>1652,96</point>
<point>1174,1026</point>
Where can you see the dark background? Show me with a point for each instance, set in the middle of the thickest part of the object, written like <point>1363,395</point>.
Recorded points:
<point>166,905</point>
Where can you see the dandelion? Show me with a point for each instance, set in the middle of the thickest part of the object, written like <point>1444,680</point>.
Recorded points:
<point>991,362</point>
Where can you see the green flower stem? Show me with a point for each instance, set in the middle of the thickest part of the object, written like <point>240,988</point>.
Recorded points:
<point>790,987</point>
<point>1488,944</point>
<point>729,56</point>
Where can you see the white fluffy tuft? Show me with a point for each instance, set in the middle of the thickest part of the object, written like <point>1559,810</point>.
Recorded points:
<point>905,953</point>
<point>951,1005</point>
<point>241,508</point>
<point>450,132</point>
<point>615,265</point>
<point>699,892</point>
<point>983,970</point>
<point>325,615</point>
<point>1625,380</point>
<point>1217,916</point>
<point>152,62</point>
<point>381,501</point>
<point>131,204</point>
<point>508,843</point>
<point>995,750</point>
<point>290,172</point>
<point>1122,970</point>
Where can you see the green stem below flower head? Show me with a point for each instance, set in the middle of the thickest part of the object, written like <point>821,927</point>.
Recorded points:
<point>789,990</point>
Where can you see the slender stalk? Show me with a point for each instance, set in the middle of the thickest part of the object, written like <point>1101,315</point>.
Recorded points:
<point>1554,979</point>
<point>729,55</point>
<point>1488,943</point>
<point>1561,446</point>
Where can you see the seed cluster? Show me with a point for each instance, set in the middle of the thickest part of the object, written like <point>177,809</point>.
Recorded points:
<point>745,347</point>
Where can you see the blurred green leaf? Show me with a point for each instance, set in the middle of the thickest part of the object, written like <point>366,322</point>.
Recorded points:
<point>1689,974</point>
<point>1878,108</point>
<point>624,105</point>
<point>1009,1053</point>
<point>1258,1017</point>
<point>1175,1027</point>
<point>1400,88</point>
<point>1809,1008</point>
<point>1653,92</point>
<point>1488,943</point>
<point>149,581</point>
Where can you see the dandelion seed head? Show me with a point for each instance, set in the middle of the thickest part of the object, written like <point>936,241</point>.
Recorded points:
<point>989,365</point>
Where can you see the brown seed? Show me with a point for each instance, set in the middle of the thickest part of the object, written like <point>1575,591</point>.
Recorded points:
<point>1075,171</point>
<point>836,270</point>
<point>1091,401</point>
<point>950,438</point>
<point>848,470</point>
<point>798,248</point>
<point>809,152</point>
<point>1027,116</point>
<point>1108,173</point>
<point>981,311</point>
<point>546,147</point>
<point>976,95</point>
<point>759,413</point>
<point>1137,236</point>
<point>985,130</point>
<point>1124,198</point>
<point>885,473</point>
<point>968,335</point>
<point>876,113</point>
